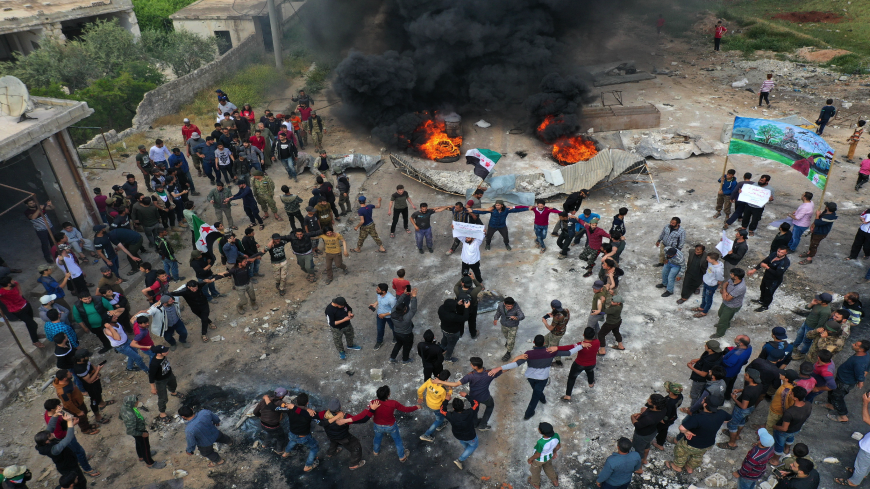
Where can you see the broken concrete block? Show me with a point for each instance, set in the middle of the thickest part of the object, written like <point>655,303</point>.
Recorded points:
<point>178,473</point>
<point>716,480</point>
<point>857,436</point>
<point>831,460</point>
<point>376,374</point>
<point>554,177</point>
<point>740,84</point>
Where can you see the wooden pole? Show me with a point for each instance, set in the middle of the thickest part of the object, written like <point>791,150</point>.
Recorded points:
<point>725,166</point>
<point>17,341</point>
<point>825,188</point>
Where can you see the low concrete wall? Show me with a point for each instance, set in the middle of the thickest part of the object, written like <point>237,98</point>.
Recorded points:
<point>170,97</point>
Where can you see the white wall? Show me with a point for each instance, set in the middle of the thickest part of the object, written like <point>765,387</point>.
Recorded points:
<point>239,29</point>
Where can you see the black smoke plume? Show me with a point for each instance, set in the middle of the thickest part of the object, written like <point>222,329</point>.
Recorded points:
<point>461,55</point>
<point>560,99</point>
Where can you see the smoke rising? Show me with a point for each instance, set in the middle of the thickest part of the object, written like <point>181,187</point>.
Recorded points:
<point>452,55</point>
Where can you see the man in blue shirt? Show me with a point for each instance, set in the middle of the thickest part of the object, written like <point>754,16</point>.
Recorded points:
<point>383,307</point>
<point>734,360</point>
<point>828,112</point>
<point>727,182</point>
<point>205,151</point>
<point>249,203</point>
<point>176,157</point>
<point>201,432</point>
<point>850,374</point>
<point>366,225</point>
<point>619,466</point>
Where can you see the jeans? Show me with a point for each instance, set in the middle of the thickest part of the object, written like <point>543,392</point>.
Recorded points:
<point>421,234</point>
<point>81,455</point>
<point>707,297</point>
<point>190,179</point>
<point>537,394</point>
<point>541,235</point>
<point>796,232</point>
<point>226,171</point>
<point>380,324</point>
<point>254,268</point>
<point>115,266</point>
<point>739,417</point>
<point>132,354</point>
<point>208,169</point>
<point>746,483</point>
<point>801,341</point>
<point>669,275</point>
<point>309,442</point>
<point>45,243</point>
<point>290,166</point>
<point>392,430</point>
<point>171,267</point>
<point>210,291</point>
<point>862,467</point>
<point>448,342</point>
<point>169,334</point>
<point>440,419</point>
<point>780,439</point>
<point>470,446</point>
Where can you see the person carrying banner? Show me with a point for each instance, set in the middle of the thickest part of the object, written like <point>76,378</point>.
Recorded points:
<point>752,213</point>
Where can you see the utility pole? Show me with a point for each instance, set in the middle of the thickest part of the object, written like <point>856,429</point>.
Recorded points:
<point>275,23</point>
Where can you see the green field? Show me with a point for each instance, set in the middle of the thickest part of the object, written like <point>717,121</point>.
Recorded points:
<point>742,147</point>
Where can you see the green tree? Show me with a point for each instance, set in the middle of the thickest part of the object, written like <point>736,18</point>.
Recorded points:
<point>181,51</point>
<point>769,132</point>
<point>114,100</point>
<point>109,47</point>
<point>154,14</point>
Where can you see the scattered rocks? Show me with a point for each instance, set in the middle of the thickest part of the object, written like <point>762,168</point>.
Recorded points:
<point>716,480</point>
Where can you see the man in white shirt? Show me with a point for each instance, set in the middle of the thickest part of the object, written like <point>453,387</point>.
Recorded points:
<point>862,237</point>
<point>159,154</point>
<point>471,257</point>
<point>66,260</point>
<point>713,278</point>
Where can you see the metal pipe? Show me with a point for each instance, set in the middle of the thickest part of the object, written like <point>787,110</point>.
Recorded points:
<point>275,24</point>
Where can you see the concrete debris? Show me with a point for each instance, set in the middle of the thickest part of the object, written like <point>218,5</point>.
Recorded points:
<point>376,374</point>
<point>663,145</point>
<point>217,338</point>
<point>716,480</point>
<point>263,356</point>
<point>831,460</point>
<point>482,123</point>
<point>740,84</point>
<point>857,436</point>
<point>178,473</point>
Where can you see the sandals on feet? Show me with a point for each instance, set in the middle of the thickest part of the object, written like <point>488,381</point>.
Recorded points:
<point>843,482</point>
<point>212,464</point>
<point>805,262</point>
<point>92,473</point>
<point>205,339</point>
<point>178,395</point>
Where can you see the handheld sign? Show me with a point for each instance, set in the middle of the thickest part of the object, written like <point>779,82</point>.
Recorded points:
<point>754,195</point>
<point>467,230</point>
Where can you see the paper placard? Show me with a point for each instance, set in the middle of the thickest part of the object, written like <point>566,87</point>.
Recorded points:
<point>467,230</point>
<point>725,244</point>
<point>754,195</point>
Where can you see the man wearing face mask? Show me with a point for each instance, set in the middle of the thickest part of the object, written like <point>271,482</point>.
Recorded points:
<point>137,427</point>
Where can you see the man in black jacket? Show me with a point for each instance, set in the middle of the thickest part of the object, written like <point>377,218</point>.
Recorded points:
<point>338,316</point>
<point>469,287</point>
<point>270,420</point>
<point>303,247</point>
<point>242,281</point>
<point>462,423</point>
<point>194,294</point>
<point>202,266</point>
<point>432,355</point>
<point>775,266</point>
<point>701,368</point>
<point>60,453</point>
<point>453,314</point>
<point>737,252</point>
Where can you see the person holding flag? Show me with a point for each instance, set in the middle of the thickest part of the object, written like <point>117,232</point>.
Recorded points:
<point>204,235</point>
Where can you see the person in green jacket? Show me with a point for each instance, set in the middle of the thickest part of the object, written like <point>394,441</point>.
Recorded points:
<point>137,427</point>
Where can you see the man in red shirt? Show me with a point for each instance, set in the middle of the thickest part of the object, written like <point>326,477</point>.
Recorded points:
<point>400,285</point>
<point>18,307</point>
<point>593,244</point>
<point>584,362</point>
<point>385,422</point>
<point>258,141</point>
<point>659,24</point>
<point>188,129</point>
<point>304,114</point>
<point>720,31</point>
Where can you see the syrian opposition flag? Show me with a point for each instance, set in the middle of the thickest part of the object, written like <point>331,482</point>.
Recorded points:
<point>205,234</point>
<point>484,161</point>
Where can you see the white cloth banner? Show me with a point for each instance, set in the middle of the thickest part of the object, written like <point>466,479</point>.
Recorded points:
<point>754,195</point>
<point>725,244</point>
<point>467,230</point>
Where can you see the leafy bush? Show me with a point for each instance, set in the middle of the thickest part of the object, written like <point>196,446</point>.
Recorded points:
<point>761,36</point>
<point>182,51</point>
<point>849,64</point>
<point>154,14</point>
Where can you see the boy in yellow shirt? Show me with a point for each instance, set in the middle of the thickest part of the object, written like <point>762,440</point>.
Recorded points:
<point>334,244</point>
<point>435,396</point>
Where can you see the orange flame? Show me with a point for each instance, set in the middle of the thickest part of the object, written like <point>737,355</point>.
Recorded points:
<point>436,144</point>
<point>568,150</point>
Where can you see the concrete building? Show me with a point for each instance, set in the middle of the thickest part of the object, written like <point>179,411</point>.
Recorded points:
<point>231,21</point>
<point>25,23</point>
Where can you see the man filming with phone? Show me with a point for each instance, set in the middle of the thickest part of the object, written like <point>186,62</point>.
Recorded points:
<point>468,288</point>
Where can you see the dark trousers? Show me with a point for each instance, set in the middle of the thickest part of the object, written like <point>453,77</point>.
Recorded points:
<point>822,124</point>
<point>610,328</point>
<point>351,444</point>
<point>202,314</point>
<point>563,242</point>
<point>430,370</point>
<point>179,211</point>
<point>78,284</point>
<point>862,241</point>
<point>537,395</point>
<point>26,316</point>
<point>738,212</point>
<point>226,171</point>
<point>209,453</point>
<point>292,216</point>
<point>862,179</point>
<point>81,482</point>
<point>275,437</point>
<point>143,449</point>
<point>578,236</point>
<point>717,41</point>
<point>729,386</point>
<point>751,216</point>
<point>768,288</point>
<point>167,218</point>
<point>837,398</point>
<point>662,429</point>
<point>575,372</point>
<point>45,243</point>
<point>490,232</point>
<point>101,334</point>
<point>396,213</point>
<point>134,250</point>
<point>472,321</point>
<point>448,342</point>
<point>490,405</point>
<point>765,96</point>
<point>403,342</point>
<point>474,267</point>
<point>253,214</point>
<point>95,393</point>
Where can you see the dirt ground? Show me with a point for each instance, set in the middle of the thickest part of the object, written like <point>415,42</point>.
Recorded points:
<point>282,344</point>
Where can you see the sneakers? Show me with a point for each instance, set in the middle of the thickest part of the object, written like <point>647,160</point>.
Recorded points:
<point>506,357</point>
<point>485,427</point>
<point>254,306</point>
<point>185,344</point>
<point>409,360</point>
<point>355,348</point>
<point>486,246</point>
<point>761,309</point>
<point>378,346</point>
<point>667,294</point>
<point>342,355</point>
<point>157,465</point>
<point>393,360</point>
<point>173,347</point>
<point>420,250</point>
<point>508,247</point>
<point>452,360</point>
<point>427,438</point>
<point>431,250</point>
<point>458,464</point>
<point>442,427</point>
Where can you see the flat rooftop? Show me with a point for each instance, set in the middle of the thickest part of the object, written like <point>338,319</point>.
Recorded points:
<point>227,9</point>
<point>18,15</point>
<point>51,115</point>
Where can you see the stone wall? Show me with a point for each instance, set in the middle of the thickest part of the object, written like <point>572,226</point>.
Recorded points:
<point>170,97</point>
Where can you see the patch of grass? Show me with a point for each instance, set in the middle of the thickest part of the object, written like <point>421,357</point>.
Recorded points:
<point>852,33</point>
<point>304,55</point>
<point>763,36</point>
<point>849,64</point>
